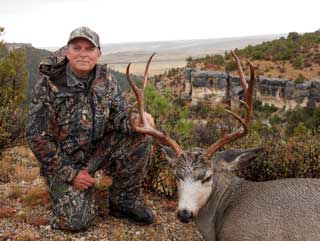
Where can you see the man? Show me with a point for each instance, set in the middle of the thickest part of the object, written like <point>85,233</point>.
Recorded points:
<point>78,124</point>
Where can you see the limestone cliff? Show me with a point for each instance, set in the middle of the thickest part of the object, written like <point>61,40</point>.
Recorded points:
<point>211,86</point>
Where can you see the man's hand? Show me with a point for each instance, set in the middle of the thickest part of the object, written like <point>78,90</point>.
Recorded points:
<point>83,180</point>
<point>138,120</point>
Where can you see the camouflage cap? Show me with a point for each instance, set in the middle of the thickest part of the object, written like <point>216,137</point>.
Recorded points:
<point>87,33</point>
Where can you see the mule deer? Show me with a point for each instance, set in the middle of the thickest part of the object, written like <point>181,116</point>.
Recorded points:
<point>226,207</point>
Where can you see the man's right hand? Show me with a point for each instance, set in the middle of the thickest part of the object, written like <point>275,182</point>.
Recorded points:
<point>83,180</point>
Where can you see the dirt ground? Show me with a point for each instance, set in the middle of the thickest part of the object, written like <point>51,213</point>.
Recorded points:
<point>25,209</point>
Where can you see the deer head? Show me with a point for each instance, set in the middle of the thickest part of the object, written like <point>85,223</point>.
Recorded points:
<point>193,168</point>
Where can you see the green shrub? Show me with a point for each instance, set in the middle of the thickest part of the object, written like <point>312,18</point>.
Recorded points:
<point>13,85</point>
<point>298,157</point>
<point>265,109</point>
<point>218,59</point>
<point>231,65</point>
<point>297,62</point>
<point>301,131</point>
<point>300,79</point>
<point>160,176</point>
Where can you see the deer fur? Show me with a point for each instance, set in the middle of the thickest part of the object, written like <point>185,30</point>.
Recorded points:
<point>241,210</point>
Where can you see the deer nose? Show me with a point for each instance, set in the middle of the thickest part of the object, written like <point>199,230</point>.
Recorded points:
<point>184,215</point>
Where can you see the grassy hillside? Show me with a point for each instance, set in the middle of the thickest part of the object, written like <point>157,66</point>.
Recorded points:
<point>33,59</point>
<point>295,57</point>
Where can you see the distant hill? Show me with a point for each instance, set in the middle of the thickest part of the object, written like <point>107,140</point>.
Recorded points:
<point>171,54</point>
<point>33,59</point>
<point>189,47</point>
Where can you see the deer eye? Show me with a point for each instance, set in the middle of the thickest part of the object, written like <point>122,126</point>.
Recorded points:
<point>178,176</point>
<point>207,179</point>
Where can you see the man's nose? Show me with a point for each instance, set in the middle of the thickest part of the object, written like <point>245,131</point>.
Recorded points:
<point>83,53</point>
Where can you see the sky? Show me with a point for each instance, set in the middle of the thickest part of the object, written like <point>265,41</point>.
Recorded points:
<point>48,23</point>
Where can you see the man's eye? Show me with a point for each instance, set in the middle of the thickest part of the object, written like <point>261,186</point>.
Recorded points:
<point>207,179</point>
<point>91,49</point>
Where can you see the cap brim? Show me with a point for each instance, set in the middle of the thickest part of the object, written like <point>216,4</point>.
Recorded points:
<point>85,37</point>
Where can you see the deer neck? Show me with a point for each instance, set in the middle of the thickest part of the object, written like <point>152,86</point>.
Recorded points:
<point>224,188</point>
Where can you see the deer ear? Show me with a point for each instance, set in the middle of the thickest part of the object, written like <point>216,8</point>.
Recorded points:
<point>237,159</point>
<point>170,155</point>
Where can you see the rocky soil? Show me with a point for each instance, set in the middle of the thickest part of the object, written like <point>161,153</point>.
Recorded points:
<point>25,209</point>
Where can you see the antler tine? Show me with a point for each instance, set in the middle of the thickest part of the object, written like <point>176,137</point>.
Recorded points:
<point>242,78</point>
<point>147,128</point>
<point>139,95</point>
<point>248,97</point>
<point>132,84</point>
<point>146,71</point>
<point>248,93</point>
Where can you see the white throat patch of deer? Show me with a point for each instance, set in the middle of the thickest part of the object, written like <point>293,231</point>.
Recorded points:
<point>226,207</point>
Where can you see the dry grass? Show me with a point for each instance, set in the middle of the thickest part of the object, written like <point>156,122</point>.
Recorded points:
<point>275,69</point>
<point>35,196</point>
<point>15,192</point>
<point>27,235</point>
<point>24,215</point>
<point>25,151</point>
<point>5,169</point>
<point>6,212</point>
<point>18,164</point>
<point>284,70</point>
<point>23,173</point>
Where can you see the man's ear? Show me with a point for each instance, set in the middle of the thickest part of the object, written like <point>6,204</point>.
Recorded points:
<point>66,52</point>
<point>237,159</point>
<point>170,155</point>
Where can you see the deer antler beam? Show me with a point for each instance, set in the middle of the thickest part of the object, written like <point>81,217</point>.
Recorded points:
<point>147,128</point>
<point>248,93</point>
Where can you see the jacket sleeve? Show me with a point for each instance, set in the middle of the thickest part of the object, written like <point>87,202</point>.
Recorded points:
<point>119,109</point>
<point>42,136</point>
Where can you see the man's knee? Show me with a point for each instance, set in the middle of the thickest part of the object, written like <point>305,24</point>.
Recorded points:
<point>71,209</point>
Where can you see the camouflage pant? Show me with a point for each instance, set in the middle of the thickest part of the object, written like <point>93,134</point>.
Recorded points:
<point>125,157</point>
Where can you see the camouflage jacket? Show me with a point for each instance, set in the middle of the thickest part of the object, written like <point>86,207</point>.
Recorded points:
<point>65,118</point>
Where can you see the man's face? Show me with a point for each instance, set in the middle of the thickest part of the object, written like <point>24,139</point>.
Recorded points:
<point>82,56</point>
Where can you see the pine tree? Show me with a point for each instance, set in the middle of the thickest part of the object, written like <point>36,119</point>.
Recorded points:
<point>13,83</point>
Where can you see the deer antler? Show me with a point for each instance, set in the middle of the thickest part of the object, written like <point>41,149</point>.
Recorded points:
<point>244,121</point>
<point>147,128</point>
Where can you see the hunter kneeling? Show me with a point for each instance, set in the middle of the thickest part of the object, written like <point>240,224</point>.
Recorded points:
<point>78,124</point>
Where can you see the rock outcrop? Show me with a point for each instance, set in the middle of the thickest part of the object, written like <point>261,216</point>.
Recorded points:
<point>211,86</point>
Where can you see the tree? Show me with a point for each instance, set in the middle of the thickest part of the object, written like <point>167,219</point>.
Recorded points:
<point>293,35</point>
<point>230,66</point>
<point>13,82</point>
